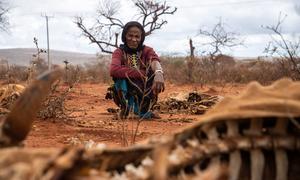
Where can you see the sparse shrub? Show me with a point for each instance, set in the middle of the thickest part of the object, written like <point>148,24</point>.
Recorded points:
<point>40,65</point>
<point>54,104</point>
<point>226,70</point>
<point>16,74</point>
<point>4,67</point>
<point>97,72</point>
<point>73,74</point>
<point>286,47</point>
<point>175,69</point>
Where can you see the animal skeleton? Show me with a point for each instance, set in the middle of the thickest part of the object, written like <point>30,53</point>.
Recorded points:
<point>253,136</point>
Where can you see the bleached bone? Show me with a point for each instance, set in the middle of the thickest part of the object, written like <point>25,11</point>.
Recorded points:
<point>282,163</point>
<point>255,127</point>
<point>257,164</point>
<point>185,153</point>
<point>256,156</point>
<point>232,129</point>
<point>235,161</point>
<point>18,122</point>
<point>281,158</point>
<point>215,164</point>
<point>193,142</point>
<point>160,156</point>
<point>182,175</point>
<point>210,149</point>
<point>210,131</point>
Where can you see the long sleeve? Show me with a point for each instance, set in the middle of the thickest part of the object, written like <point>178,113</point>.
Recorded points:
<point>117,70</point>
<point>150,54</point>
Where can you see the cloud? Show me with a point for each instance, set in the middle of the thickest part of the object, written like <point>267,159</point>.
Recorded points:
<point>297,7</point>
<point>245,19</point>
<point>54,6</point>
<point>241,16</point>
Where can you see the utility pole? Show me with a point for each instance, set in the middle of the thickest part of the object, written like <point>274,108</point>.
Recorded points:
<point>48,49</point>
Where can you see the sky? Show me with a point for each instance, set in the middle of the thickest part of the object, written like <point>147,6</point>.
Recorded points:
<point>245,17</point>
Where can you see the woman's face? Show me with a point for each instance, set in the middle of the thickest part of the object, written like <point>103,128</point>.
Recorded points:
<point>133,37</point>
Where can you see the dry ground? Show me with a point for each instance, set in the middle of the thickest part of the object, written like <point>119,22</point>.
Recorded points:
<point>88,118</point>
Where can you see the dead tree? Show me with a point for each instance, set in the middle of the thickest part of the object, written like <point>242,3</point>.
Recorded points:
<point>3,15</point>
<point>219,40</point>
<point>38,50</point>
<point>38,64</point>
<point>105,32</point>
<point>191,61</point>
<point>287,49</point>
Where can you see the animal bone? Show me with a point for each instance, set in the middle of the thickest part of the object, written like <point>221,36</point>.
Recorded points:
<point>18,122</point>
<point>248,137</point>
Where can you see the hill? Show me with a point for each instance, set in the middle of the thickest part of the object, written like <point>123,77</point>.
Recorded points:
<point>23,56</point>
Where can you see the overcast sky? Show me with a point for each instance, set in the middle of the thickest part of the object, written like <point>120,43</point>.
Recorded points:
<point>241,16</point>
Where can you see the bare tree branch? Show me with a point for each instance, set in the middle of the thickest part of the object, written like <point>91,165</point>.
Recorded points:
<point>87,33</point>
<point>3,16</point>
<point>220,38</point>
<point>105,32</point>
<point>282,47</point>
<point>150,12</point>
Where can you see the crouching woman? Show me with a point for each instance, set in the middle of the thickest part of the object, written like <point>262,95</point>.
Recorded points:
<point>137,74</point>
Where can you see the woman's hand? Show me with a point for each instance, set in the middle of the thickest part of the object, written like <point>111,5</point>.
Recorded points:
<point>158,83</point>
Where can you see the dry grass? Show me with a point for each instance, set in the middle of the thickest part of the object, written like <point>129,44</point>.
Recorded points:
<point>224,70</point>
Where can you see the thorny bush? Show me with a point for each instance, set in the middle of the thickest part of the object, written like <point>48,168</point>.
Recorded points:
<point>226,70</point>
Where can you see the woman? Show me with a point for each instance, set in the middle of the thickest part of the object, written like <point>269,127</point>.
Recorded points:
<point>137,73</point>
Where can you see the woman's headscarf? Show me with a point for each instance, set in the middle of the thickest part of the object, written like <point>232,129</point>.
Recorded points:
<point>124,32</point>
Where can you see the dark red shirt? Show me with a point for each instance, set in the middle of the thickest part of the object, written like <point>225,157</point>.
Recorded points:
<point>119,65</point>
